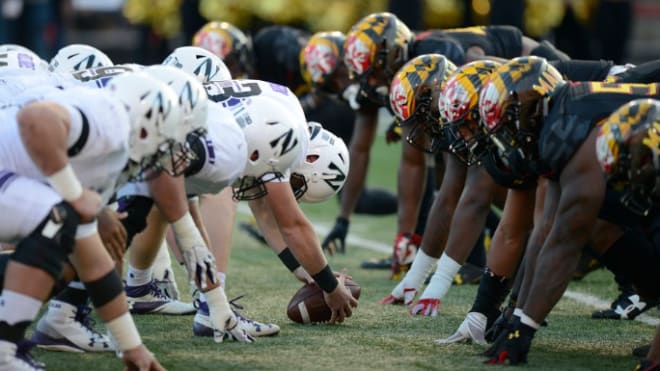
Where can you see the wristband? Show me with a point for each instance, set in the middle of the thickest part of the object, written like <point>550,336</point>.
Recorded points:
<point>288,259</point>
<point>66,183</point>
<point>326,279</point>
<point>343,222</point>
<point>186,233</point>
<point>124,331</point>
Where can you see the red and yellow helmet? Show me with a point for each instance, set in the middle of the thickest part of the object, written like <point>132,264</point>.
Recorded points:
<point>459,109</point>
<point>413,94</point>
<point>321,57</point>
<point>511,102</point>
<point>377,45</point>
<point>628,150</point>
<point>229,43</point>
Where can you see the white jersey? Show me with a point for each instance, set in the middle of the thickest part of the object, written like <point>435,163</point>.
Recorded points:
<point>18,89</point>
<point>99,130</point>
<point>232,92</point>
<point>225,153</point>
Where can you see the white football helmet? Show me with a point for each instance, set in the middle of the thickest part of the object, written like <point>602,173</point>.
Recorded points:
<point>274,144</point>
<point>191,94</point>
<point>78,57</point>
<point>24,60</point>
<point>325,169</point>
<point>155,115</point>
<point>200,62</point>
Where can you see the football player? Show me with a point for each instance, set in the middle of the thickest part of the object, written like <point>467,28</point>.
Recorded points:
<point>48,150</point>
<point>554,138</point>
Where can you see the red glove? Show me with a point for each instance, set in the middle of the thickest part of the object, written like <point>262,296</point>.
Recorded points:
<point>404,250</point>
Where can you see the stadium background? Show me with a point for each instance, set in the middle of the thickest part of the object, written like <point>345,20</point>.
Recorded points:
<point>144,31</point>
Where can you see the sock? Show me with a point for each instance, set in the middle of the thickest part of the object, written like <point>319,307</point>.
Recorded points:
<point>74,294</point>
<point>138,277</point>
<point>420,269</point>
<point>162,263</point>
<point>442,279</point>
<point>17,311</point>
<point>222,277</point>
<point>490,295</point>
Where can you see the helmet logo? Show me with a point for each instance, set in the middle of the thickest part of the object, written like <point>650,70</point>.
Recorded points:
<point>604,152</point>
<point>85,63</point>
<point>336,182</point>
<point>358,55</point>
<point>288,142</point>
<point>489,108</point>
<point>205,69</point>
<point>215,42</point>
<point>321,60</point>
<point>399,99</point>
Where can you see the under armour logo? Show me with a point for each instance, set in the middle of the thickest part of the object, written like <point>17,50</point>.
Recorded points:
<point>514,335</point>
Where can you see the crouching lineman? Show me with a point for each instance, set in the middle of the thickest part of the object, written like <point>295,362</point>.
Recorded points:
<point>61,161</point>
<point>628,150</point>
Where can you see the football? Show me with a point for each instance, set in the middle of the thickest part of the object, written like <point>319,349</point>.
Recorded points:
<point>308,306</point>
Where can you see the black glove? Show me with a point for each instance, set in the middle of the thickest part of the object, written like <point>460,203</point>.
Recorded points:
<point>393,133</point>
<point>515,347</point>
<point>336,239</point>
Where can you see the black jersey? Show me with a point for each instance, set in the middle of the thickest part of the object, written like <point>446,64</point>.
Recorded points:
<point>438,41</point>
<point>496,41</point>
<point>574,110</point>
<point>582,70</point>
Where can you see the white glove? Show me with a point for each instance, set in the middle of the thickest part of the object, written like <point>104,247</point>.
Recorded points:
<point>223,319</point>
<point>199,261</point>
<point>200,264</point>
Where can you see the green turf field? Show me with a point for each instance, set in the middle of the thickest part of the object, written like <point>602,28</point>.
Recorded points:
<point>375,337</point>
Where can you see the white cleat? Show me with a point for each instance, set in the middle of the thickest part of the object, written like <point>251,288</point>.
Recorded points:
<point>202,323</point>
<point>472,329</point>
<point>67,328</point>
<point>14,359</point>
<point>149,298</point>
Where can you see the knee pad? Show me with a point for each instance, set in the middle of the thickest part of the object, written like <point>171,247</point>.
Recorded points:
<point>50,244</point>
<point>549,52</point>
<point>105,289</point>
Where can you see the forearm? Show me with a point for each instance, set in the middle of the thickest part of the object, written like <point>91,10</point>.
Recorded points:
<point>305,246</point>
<point>169,194</point>
<point>354,183</point>
<point>508,243</point>
<point>469,220</point>
<point>267,225</point>
<point>411,182</point>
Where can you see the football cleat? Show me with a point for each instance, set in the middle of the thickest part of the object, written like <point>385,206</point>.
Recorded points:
<point>627,306</point>
<point>202,323</point>
<point>383,263</point>
<point>67,328</point>
<point>168,285</point>
<point>472,329</point>
<point>17,357</point>
<point>148,298</point>
<point>426,307</point>
<point>404,251</point>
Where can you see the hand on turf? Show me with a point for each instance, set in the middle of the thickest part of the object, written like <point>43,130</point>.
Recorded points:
<point>112,232</point>
<point>336,239</point>
<point>340,301</point>
<point>88,205</point>
<point>200,264</point>
<point>141,359</point>
<point>515,347</point>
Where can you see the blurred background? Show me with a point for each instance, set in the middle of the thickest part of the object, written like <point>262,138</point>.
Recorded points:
<point>145,31</point>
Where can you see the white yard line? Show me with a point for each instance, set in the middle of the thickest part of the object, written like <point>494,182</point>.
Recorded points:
<point>380,247</point>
